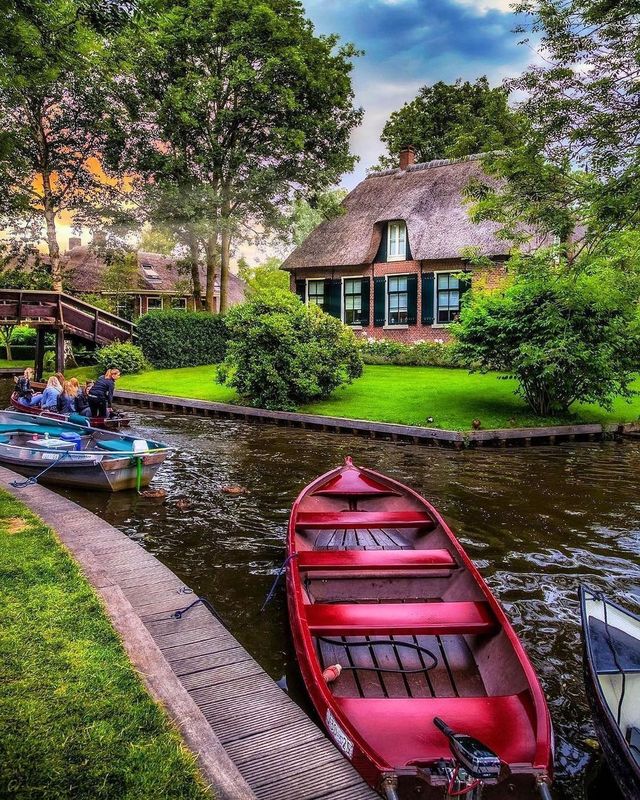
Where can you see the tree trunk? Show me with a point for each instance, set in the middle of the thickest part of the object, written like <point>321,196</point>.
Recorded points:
<point>211,249</point>
<point>8,332</point>
<point>225,253</point>
<point>52,238</point>
<point>195,271</point>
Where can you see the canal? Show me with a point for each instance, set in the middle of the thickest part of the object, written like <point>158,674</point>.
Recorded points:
<point>537,522</point>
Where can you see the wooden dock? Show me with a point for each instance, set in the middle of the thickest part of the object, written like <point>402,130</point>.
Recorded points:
<point>415,434</point>
<point>251,739</point>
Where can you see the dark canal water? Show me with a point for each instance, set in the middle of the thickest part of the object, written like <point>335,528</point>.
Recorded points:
<point>537,522</point>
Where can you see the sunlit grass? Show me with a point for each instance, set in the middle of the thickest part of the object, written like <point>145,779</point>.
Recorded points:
<point>75,720</point>
<point>406,395</point>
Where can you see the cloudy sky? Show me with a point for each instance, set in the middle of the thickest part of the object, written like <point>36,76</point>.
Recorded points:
<point>408,43</point>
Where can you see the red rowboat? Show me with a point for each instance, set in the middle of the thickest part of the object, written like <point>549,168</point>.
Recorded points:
<point>109,423</point>
<point>434,695</point>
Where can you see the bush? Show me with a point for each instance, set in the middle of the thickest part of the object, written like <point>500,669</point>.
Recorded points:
<point>282,353</point>
<point>21,335</point>
<point>128,358</point>
<point>172,339</point>
<point>420,354</point>
<point>566,336</point>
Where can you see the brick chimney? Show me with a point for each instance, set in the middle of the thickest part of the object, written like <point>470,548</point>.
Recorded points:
<point>407,157</point>
<point>74,241</point>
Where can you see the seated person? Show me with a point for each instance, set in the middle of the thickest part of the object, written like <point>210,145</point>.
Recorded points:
<point>49,401</point>
<point>66,401</point>
<point>26,396</point>
<point>82,397</point>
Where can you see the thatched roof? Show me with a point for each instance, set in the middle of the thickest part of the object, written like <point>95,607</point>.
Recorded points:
<point>158,274</point>
<point>428,197</point>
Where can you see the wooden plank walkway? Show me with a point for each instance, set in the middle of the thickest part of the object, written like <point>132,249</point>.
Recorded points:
<point>500,437</point>
<point>273,745</point>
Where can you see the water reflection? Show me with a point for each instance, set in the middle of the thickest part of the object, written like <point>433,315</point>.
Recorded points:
<point>537,522</point>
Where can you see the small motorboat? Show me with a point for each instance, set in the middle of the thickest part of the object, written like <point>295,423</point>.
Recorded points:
<point>80,456</point>
<point>110,423</point>
<point>409,660</point>
<point>611,639</point>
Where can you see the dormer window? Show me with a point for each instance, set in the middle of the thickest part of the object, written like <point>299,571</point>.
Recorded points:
<point>150,273</point>
<point>397,241</point>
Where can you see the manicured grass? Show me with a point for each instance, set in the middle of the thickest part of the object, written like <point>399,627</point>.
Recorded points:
<point>407,395</point>
<point>4,364</point>
<point>75,720</point>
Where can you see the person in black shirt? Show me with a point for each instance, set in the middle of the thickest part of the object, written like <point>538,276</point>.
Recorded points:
<point>24,390</point>
<point>101,393</point>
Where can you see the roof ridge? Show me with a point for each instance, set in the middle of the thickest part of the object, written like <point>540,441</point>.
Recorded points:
<point>437,162</point>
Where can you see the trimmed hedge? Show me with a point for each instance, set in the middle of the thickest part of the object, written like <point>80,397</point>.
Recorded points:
<point>171,339</point>
<point>421,354</point>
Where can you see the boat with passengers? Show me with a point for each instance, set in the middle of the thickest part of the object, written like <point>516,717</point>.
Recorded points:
<point>77,455</point>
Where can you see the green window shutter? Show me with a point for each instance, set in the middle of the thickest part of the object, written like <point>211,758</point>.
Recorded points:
<point>301,290</point>
<point>379,288</point>
<point>333,297</point>
<point>366,302</point>
<point>381,255</point>
<point>412,300</point>
<point>428,298</point>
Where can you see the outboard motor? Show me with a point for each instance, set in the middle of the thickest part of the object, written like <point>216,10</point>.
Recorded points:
<point>473,763</point>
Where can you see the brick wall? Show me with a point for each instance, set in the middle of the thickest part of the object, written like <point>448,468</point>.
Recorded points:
<point>411,333</point>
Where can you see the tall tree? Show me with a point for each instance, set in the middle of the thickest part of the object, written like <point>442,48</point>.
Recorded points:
<point>243,99</point>
<point>451,120</point>
<point>579,169</point>
<point>52,104</point>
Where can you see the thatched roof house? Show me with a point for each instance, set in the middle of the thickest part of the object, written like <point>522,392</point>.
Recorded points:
<point>159,284</point>
<point>405,230</point>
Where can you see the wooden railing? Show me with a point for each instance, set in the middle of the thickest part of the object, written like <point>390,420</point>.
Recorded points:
<point>45,308</point>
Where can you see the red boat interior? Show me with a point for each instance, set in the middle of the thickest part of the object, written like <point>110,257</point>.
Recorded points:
<point>387,596</point>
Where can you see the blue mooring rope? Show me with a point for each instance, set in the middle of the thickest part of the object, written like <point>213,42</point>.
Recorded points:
<point>285,564</point>
<point>34,478</point>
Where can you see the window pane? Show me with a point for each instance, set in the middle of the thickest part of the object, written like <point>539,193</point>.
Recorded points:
<point>393,284</point>
<point>443,281</point>
<point>402,284</point>
<point>453,282</point>
<point>454,299</point>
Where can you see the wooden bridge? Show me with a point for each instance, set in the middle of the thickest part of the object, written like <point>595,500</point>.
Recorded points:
<point>47,310</point>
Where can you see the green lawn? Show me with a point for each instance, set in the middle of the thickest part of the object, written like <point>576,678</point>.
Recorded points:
<point>4,364</point>
<point>408,395</point>
<point>75,720</point>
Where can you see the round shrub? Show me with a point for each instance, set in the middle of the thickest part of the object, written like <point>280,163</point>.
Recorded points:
<point>282,354</point>
<point>172,339</point>
<point>128,358</point>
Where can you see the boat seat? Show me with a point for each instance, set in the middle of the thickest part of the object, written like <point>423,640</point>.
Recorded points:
<point>375,559</point>
<point>364,519</point>
<point>115,445</point>
<point>433,619</point>
<point>401,732</point>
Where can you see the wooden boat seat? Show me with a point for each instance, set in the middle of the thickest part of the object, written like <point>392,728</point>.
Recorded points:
<point>401,731</point>
<point>432,619</point>
<point>335,560</point>
<point>364,519</point>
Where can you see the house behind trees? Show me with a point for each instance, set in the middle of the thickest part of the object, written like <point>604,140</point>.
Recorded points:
<point>390,265</point>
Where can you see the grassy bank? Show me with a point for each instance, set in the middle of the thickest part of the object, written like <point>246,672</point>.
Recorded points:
<point>75,721</point>
<point>407,395</point>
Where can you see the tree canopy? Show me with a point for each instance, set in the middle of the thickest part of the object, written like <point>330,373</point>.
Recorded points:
<point>52,109</point>
<point>240,105</point>
<point>452,120</point>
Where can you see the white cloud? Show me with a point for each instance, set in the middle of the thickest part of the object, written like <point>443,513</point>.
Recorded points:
<point>482,6</point>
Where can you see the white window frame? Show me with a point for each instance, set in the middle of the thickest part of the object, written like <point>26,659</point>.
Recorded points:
<point>401,250</point>
<point>437,324</point>
<point>155,297</point>
<point>306,291</point>
<point>358,326</point>
<point>180,308</point>
<point>388,325</point>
